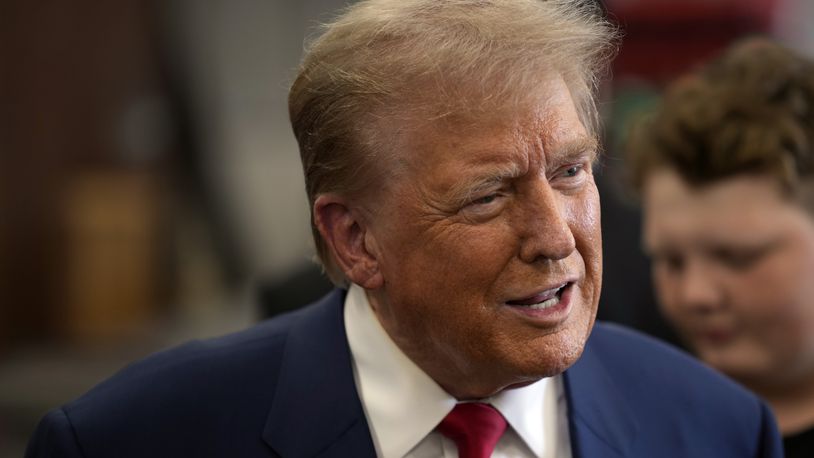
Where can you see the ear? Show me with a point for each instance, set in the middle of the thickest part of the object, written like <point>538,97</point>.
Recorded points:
<point>349,241</point>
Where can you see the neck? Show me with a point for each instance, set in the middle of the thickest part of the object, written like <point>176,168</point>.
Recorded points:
<point>459,378</point>
<point>791,403</point>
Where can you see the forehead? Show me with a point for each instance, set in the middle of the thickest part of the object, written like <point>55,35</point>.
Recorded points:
<point>545,122</point>
<point>735,208</point>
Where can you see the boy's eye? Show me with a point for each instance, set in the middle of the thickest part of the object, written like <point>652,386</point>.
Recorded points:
<point>673,262</point>
<point>740,259</point>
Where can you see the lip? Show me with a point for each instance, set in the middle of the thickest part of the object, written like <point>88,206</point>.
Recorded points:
<point>549,316</point>
<point>716,336</point>
<point>539,296</point>
<point>531,293</point>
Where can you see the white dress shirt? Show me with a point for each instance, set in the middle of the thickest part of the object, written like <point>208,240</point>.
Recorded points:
<point>403,405</point>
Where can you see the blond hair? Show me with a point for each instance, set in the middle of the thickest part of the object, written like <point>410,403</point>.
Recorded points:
<point>424,60</point>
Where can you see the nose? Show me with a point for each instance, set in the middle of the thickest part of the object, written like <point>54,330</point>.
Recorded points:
<point>700,290</point>
<point>546,233</point>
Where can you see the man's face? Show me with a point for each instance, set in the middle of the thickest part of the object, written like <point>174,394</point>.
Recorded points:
<point>489,244</point>
<point>733,265</point>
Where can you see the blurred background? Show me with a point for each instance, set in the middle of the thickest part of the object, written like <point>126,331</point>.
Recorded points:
<point>151,190</point>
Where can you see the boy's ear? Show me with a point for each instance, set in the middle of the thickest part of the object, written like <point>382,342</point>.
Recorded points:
<point>349,240</point>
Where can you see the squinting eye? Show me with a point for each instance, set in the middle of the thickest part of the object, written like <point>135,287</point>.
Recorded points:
<point>484,207</point>
<point>485,199</point>
<point>740,260</point>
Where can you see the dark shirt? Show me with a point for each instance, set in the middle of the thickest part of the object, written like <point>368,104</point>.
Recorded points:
<point>800,445</point>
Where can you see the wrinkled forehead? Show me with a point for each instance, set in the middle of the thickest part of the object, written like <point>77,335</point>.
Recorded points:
<point>544,129</point>
<point>460,118</point>
<point>463,108</point>
<point>474,101</point>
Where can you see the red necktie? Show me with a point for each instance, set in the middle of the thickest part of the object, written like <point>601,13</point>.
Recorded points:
<point>475,428</point>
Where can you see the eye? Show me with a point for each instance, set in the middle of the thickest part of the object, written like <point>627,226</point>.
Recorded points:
<point>484,207</point>
<point>673,262</point>
<point>572,171</point>
<point>740,259</point>
<point>488,199</point>
<point>570,177</point>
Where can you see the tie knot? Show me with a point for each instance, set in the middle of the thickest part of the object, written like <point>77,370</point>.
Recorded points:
<point>475,428</point>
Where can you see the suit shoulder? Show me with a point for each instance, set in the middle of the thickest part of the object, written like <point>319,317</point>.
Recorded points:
<point>221,386</point>
<point>214,357</point>
<point>252,351</point>
<point>610,337</point>
<point>54,436</point>
<point>668,397</point>
<point>665,385</point>
<point>638,356</point>
<point>178,378</point>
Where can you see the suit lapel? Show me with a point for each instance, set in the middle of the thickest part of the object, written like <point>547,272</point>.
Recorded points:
<point>316,410</point>
<point>600,421</point>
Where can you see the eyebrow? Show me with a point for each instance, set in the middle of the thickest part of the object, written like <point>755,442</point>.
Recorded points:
<point>577,149</point>
<point>461,192</point>
<point>581,148</point>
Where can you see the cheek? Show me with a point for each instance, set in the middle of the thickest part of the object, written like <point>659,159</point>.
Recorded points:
<point>583,212</point>
<point>453,259</point>
<point>666,288</point>
<point>668,292</point>
<point>786,320</point>
<point>777,298</point>
<point>584,218</point>
<point>469,255</point>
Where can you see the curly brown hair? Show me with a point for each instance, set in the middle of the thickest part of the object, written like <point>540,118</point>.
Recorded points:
<point>751,111</point>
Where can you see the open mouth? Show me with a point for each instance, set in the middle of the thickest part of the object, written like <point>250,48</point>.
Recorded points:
<point>543,300</point>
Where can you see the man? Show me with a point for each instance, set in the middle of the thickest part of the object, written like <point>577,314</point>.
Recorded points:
<point>447,148</point>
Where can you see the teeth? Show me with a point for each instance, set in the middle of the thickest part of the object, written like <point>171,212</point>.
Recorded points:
<point>545,304</point>
<point>552,295</point>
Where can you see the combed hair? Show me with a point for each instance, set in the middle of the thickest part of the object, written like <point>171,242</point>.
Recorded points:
<point>417,61</point>
<point>751,111</point>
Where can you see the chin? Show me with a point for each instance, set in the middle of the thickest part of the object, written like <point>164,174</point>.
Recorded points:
<point>554,358</point>
<point>565,360</point>
<point>525,369</point>
<point>737,368</point>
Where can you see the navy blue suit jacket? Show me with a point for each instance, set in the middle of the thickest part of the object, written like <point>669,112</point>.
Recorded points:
<point>285,388</point>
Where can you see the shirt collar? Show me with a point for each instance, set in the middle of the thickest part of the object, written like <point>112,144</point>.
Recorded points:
<point>390,384</point>
<point>537,426</point>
